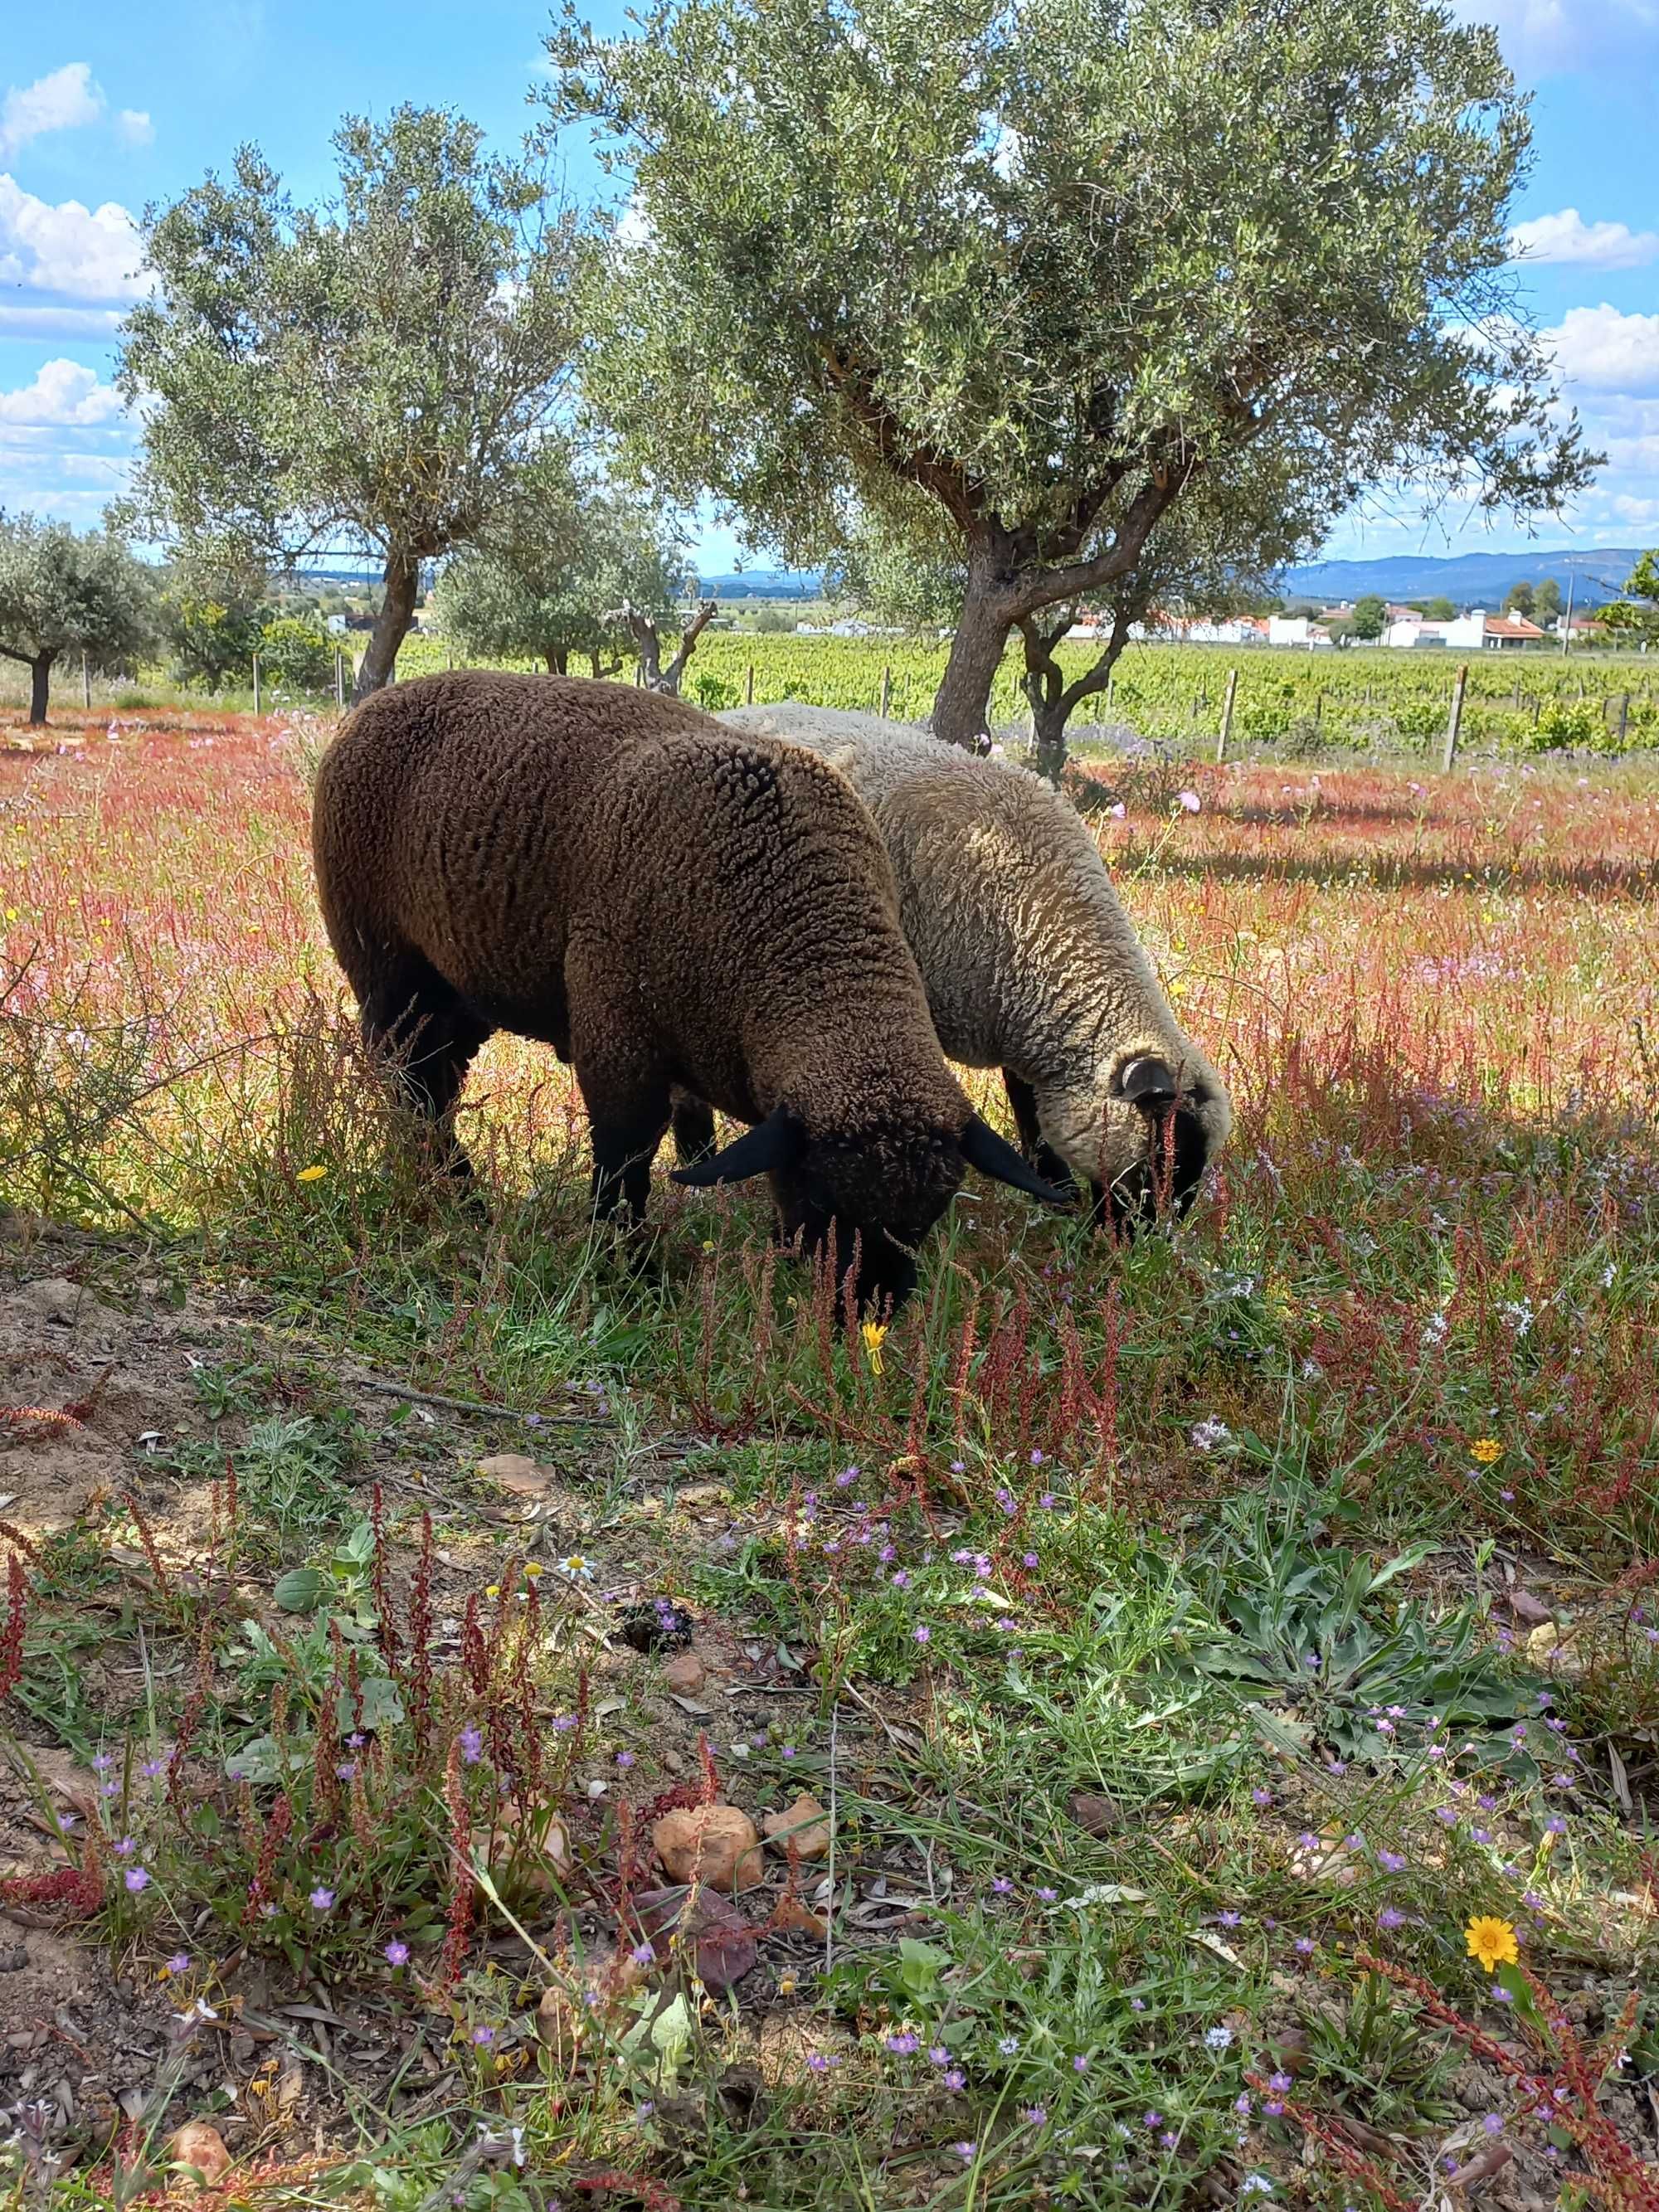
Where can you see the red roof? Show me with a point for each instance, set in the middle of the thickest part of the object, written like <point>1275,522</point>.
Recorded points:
<point>1511,626</point>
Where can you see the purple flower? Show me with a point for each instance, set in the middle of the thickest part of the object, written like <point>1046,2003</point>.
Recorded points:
<point>152,1767</point>
<point>901,1580</point>
<point>471,1741</point>
<point>1230,1919</point>
<point>902,2045</point>
<point>786,1751</point>
<point>923,1634</point>
<point>1388,1919</point>
<point>1242,2107</point>
<point>964,2151</point>
<point>1048,1895</point>
<point>179,1963</point>
<point>347,1771</point>
<point>1304,1944</point>
<point>1280,2082</point>
<point>1035,2116</point>
<point>1006,1500</point>
<point>1036,1459</point>
<point>643,1955</point>
<point>396,1954</point>
<point>1307,1841</point>
<point>818,2063</point>
<point>1031,1559</point>
<point>624,1758</point>
<point>939,2055</point>
<point>955,2079</point>
<point>483,2035</point>
<point>848,1475</point>
<point>321,1899</point>
<point>1493,2124</point>
<point>1000,1884</point>
<point>125,1847</point>
<point>102,1762</point>
<point>137,1879</point>
<point>1048,1502</point>
<point>1153,2119</point>
<point>1261,1796</point>
<point>1080,2063</point>
<point>1393,1862</point>
<point>1556,1825</point>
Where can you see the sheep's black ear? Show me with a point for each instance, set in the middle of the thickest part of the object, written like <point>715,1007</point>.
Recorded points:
<point>770,1144</point>
<point>995,1156</point>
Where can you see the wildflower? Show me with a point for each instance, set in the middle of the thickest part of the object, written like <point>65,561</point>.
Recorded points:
<point>874,1334</point>
<point>964,2151</point>
<point>321,1899</point>
<point>125,1847</point>
<point>1230,1919</point>
<point>1218,2038</point>
<point>1242,2106</point>
<point>1304,1947</point>
<point>1210,1433</point>
<point>956,2079</point>
<point>818,2063</point>
<point>1048,1502</point>
<point>314,1174</point>
<point>1080,2063</point>
<point>1393,1862</point>
<point>939,2055</point>
<point>1153,2119</point>
<point>1486,1450</point>
<point>177,1964</point>
<point>1262,1797</point>
<point>471,1741</point>
<point>1493,2124</point>
<point>1137,2004</point>
<point>152,1767</point>
<point>624,1759</point>
<point>1008,2045</point>
<point>1029,1559</point>
<point>347,1771</point>
<point>1556,1825</point>
<point>643,1955</point>
<point>483,2035</point>
<point>1255,2184</point>
<point>1000,1884</point>
<point>1491,1940</point>
<point>901,1580</point>
<point>102,1762</point>
<point>902,2044</point>
<point>397,1954</point>
<point>1389,1919</point>
<point>578,1566</point>
<point>1035,2116</point>
<point>1280,2082</point>
<point>1189,802</point>
<point>1048,1895</point>
<point>923,1633</point>
<point>137,1879</point>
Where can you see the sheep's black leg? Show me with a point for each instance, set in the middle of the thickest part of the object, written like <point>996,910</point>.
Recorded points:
<point>624,1146</point>
<point>420,1031</point>
<point>693,1124</point>
<point>1044,1157</point>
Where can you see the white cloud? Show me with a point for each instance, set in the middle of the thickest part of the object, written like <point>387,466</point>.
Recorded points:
<point>134,128</point>
<point>1545,38</point>
<point>60,326</point>
<point>1568,238</point>
<point>1600,349</point>
<point>64,394</point>
<point>85,253</point>
<point>68,100</point>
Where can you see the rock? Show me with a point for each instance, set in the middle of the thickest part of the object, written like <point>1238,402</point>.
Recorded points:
<point>712,1843</point>
<point>514,1472</point>
<point>1096,1814</point>
<point>805,1824</point>
<point>1525,1606</point>
<point>196,2144</point>
<point>700,1493</point>
<point>724,1948</point>
<point>684,1673</point>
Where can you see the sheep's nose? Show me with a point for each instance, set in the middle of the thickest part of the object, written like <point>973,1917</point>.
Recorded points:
<point>1150,1084</point>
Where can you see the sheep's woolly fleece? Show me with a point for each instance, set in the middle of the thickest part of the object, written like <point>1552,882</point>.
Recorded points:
<point>661,899</point>
<point>1030,961</point>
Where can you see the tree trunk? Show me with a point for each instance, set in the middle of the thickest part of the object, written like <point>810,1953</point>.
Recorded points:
<point>1053,700</point>
<point>961,704</point>
<point>40,687</point>
<point>669,681</point>
<point>648,645</point>
<point>401,586</point>
<point>558,664</point>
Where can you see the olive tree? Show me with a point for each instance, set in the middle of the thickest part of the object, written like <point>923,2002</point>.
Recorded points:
<point>61,593</point>
<point>553,576</point>
<point>1055,264</point>
<point>378,367</point>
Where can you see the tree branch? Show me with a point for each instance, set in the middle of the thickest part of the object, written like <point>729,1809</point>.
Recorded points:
<point>1094,679</point>
<point>1162,488</point>
<point>12,654</point>
<point>923,465</point>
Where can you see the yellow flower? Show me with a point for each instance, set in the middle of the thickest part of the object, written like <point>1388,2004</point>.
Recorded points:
<point>311,1175</point>
<point>493,1590</point>
<point>1486,1450</point>
<point>532,1568</point>
<point>875,1335</point>
<point>1492,1941</point>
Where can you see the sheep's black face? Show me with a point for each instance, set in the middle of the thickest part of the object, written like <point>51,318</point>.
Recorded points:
<point>1164,1180</point>
<point>867,1209</point>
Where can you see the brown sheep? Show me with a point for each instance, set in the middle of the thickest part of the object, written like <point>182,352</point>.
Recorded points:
<point>666,904</point>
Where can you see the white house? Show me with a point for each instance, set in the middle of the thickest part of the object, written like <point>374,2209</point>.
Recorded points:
<point>1478,632</point>
<point>1296,629</point>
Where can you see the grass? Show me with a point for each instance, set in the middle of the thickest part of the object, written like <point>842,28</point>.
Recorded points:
<point>1170,1631</point>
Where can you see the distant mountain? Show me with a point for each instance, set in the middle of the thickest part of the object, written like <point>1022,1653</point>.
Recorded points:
<point>764,584</point>
<point>1473,579</point>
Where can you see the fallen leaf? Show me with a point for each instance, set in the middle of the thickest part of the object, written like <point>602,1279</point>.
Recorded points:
<point>792,1917</point>
<point>1481,2167</point>
<point>805,1824</point>
<point>196,2144</point>
<point>713,1844</point>
<point>514,1472</point>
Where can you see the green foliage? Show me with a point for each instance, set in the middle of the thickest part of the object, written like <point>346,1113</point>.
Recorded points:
<point>1371,615</point>
<point>1634,619</point>
<point>62,592</point>
<point>1547,602</point>
<point>1521,600</point>
<point>555,568</point>
<point>297,655</point>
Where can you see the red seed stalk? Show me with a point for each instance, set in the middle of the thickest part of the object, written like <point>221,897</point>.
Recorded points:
<point>420,1642</point>
<point>259,1890</point>
<point>464,1880</point>
<point>11,1643</point>
<point>147,1540</point>
<point>381,1583</point>
<point>475,1652</point>
<point>1353,2162</point>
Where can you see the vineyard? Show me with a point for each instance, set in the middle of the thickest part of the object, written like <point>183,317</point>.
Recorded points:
<point>1361,702</point>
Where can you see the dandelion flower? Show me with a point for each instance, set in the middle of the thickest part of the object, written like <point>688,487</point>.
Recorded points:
<point>314,1174</point>
<point>1491,1940</point>
<point>1486,1451</point>
<point>875,1335</point>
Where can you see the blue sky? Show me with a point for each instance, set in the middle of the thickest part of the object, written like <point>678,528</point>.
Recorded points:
<point>103,108</point>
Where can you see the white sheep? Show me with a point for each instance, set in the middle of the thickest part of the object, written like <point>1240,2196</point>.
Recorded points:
<point>1029,962</point>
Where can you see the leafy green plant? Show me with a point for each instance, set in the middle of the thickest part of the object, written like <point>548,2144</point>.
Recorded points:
<point>1376,2054</point>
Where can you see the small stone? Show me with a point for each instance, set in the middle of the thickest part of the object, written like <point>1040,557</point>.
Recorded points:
<point>684,1674</point>
<point>700,1493</point>
<point>196,2144</point>
<point>805,1824</point>
<point>1095,1814</point>
<point>712,1843</point>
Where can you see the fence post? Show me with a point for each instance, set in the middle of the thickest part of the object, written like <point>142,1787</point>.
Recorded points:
<point>886,691</point>
<point>86,682</point>
<point>1226,715</point>
<point>339,677</point>
<point>748,685</point>
<point>1624,718</point>
<point>1455,720</point>
<point>1111,679</point>
<point>256,683</point>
